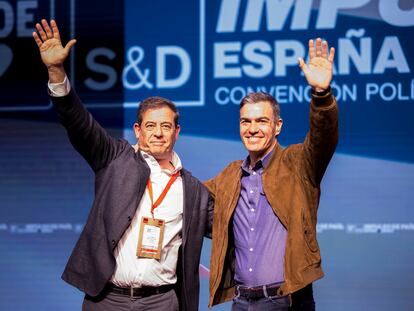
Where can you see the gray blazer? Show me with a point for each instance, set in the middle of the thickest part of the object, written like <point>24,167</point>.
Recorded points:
<point>121,175</point>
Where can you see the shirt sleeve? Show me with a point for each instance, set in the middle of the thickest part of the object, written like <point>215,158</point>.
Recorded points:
<point>59,89</point>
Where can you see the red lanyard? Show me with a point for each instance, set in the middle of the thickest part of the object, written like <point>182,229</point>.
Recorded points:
<point>163,194</point>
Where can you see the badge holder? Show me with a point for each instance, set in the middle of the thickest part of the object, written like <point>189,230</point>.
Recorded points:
<point>150,239</point>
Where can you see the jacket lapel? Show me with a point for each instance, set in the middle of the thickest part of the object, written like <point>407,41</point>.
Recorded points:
<point>189,191</point>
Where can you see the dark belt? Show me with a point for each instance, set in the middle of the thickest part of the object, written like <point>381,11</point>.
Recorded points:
<point>139,292</point>
<point>257,292</point>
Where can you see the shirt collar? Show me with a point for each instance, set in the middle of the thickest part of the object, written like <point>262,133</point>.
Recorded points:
<point>260,165</point>
<point>154,166</point>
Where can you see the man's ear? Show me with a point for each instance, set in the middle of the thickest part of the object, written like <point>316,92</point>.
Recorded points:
<point>177,131</point>
<point>278,127</point>
<point>137,130</point>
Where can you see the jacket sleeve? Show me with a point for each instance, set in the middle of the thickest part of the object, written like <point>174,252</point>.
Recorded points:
<point>211,186</point>
<point>210,213</point>
<point>322,138</point>
<point>86,135</point>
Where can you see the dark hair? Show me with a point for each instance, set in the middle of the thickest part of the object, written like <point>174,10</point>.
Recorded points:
<point>156,102</point>
<point>253,98</point>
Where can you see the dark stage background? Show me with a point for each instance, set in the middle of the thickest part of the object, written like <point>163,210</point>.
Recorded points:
<point>206,55</point>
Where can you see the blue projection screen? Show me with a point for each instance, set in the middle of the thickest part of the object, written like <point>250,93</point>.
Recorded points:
<point>205,56</point>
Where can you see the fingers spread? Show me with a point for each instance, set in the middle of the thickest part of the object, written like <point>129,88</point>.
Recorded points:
<point>55,29</point>
<point>303,66</point>
<point>324,49</point>
<point>301,62</point>
<point>318,47</point>
<point>311,49</point>
<point>331,54</point>
<point>47,28</point>
<point>70,44</point>
<point>41,32</point>
<point>37,39</point>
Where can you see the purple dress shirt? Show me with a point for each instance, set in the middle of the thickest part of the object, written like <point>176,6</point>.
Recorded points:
<point>259,236</point>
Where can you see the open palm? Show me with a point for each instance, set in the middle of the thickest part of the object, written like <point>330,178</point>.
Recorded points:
<point>318,72</point>
<point>52,52</point>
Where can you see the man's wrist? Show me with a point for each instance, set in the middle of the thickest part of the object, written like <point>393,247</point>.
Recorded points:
<point>57,74</point>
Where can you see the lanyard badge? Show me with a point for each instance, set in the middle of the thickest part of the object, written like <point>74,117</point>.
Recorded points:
<point>151,232</point>
<point>150,238</point>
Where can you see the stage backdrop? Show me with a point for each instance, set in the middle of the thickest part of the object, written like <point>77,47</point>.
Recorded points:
<point>205,56</point>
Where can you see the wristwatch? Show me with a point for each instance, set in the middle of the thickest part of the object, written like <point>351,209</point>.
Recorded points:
<point>321,93</point>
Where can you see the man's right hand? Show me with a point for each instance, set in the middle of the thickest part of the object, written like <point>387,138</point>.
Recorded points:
<point>52,52</point>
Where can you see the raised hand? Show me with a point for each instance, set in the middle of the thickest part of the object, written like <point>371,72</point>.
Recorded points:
<point>52,52</point>
<point>318,72</point>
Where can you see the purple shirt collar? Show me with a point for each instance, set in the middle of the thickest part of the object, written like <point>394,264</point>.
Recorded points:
<point>261,164</point>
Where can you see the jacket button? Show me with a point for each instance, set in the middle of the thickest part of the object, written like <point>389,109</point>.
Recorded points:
<point>113,242</point>
<point>129,218</point>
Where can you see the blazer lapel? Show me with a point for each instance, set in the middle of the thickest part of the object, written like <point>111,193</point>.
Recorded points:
<point>189,192</point>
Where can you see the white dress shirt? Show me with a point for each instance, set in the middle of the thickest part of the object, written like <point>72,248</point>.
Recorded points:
<point>137,272</point>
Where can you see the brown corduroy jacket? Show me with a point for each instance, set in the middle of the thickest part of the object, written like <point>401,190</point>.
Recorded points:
<point>291,183</point>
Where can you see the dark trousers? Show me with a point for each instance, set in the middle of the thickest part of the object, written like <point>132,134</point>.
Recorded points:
<point>302,300</point>
<point>112,301</point>
<point>271,303</point>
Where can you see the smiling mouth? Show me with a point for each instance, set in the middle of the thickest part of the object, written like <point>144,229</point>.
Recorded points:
<point>253,139</point>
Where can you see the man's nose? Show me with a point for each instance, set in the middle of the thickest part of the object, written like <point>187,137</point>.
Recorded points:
<point>158,131</point>
<point>253,128</point>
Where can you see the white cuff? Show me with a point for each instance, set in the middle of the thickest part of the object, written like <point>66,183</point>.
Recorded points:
<point>59,89</point>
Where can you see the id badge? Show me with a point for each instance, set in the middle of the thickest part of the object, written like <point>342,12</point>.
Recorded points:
<point>150,238</point>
